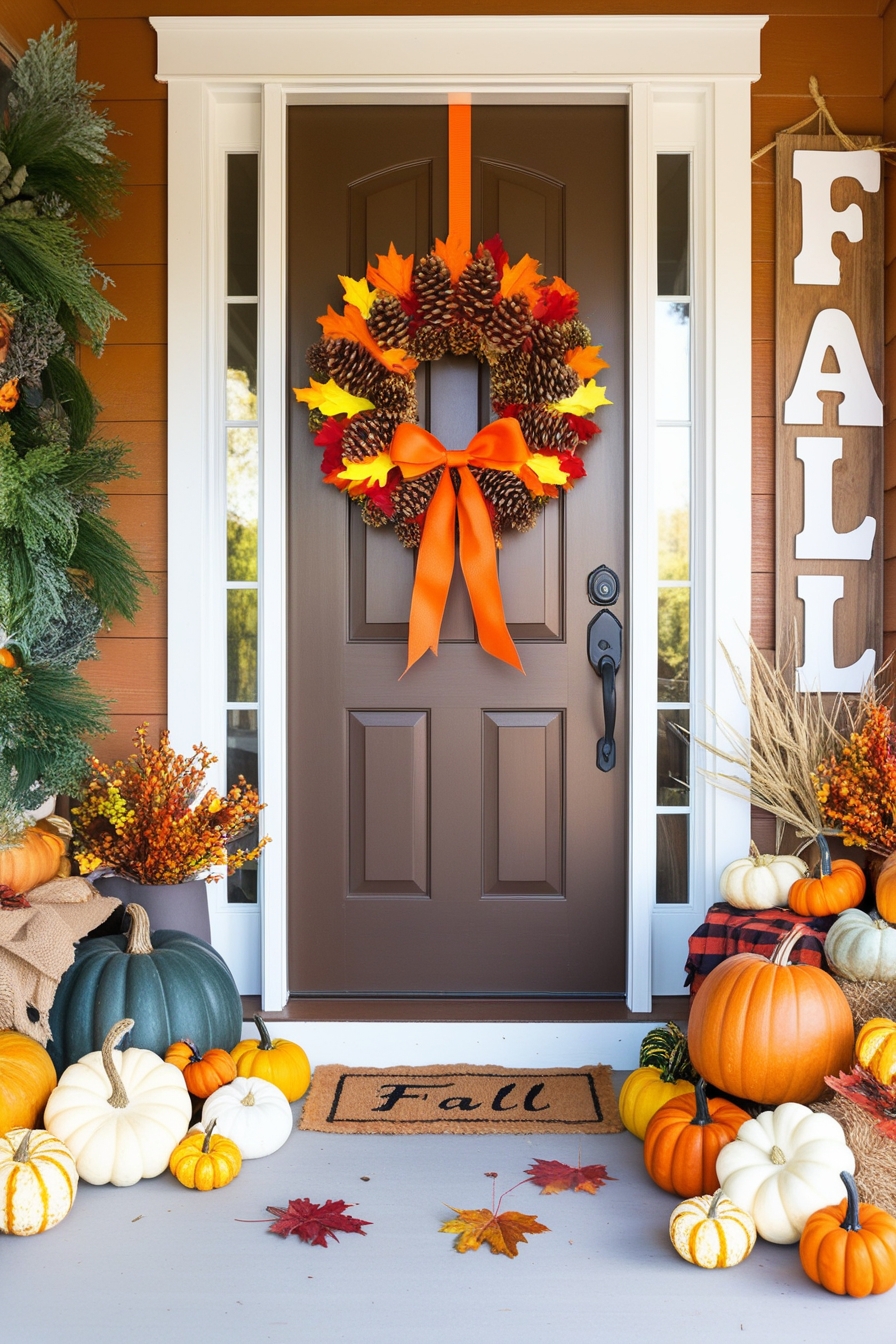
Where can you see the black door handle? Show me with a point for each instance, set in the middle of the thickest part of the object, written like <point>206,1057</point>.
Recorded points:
<point>605,656</point>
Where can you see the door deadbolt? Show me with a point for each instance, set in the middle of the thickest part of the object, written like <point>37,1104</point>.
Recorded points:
<point>603,586</point>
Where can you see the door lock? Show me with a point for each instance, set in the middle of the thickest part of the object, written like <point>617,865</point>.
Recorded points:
<point>605,656</point>
<point>603,586</point>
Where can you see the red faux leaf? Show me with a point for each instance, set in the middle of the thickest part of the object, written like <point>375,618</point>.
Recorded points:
<point>381,495</point>
<point>556,302</point>
<point>12,900</point>
<point>556,1176</point>
<point>586,429</point>
<point>331,431</point>
<point>862,1088</point>
<point>573,465</point>
<point>315,1222</point>
<point>496,247</point>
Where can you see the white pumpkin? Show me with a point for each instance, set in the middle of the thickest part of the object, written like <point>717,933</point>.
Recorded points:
<point>783,1166</point>
<point>253,1113</point>
<point>710,1231</point>
<point>38,1181</point>
<point>761,881</point>
<point>120,1112</point>
<point>861,947</point>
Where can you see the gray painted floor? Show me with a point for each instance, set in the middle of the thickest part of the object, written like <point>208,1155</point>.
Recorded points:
<point>158,1264</point>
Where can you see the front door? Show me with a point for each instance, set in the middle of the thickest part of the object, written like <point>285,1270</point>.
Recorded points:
<point>450,832</point>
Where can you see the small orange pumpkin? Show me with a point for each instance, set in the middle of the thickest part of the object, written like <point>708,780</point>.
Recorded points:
<point>35,859</point>
<point>8,658</point>
<point>850,1248</point>
<point>885,890</point>
<point>203,1074</point>
<point>685,1137</point>
<point>27,1078</point>
<point>839,886</point>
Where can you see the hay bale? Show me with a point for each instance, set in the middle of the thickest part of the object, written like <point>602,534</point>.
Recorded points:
<point>875,1154</point>
<point>869,998</point>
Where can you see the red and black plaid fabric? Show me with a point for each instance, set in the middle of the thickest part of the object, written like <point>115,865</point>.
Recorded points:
<point>728,931</point>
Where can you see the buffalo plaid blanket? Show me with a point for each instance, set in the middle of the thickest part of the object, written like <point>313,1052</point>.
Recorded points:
<point>728,931</point>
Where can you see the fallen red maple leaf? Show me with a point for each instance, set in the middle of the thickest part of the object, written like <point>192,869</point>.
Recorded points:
<point>315,1222</point>
<point>556,1176</point>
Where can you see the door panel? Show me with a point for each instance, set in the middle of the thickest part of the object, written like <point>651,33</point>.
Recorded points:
<point>449,830</point>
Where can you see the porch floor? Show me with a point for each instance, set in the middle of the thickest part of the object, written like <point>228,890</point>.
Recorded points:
<point>155,1262</point>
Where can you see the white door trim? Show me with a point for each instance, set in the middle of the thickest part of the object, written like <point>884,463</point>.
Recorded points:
<point>268,63</point>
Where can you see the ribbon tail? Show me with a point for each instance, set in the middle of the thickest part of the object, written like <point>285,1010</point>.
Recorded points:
<point>479,562</point>
<point>435,566</point>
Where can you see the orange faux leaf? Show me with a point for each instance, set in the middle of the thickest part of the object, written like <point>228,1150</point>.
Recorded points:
<point>9,394</point>
<point>501,1231</point>
<point>523,278</point>
<point>585,360</point>
<point>351,326</point>
<point>454,254</point>
<point>393,274</point>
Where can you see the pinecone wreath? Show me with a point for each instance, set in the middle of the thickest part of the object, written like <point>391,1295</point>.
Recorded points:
<point>541,363</point>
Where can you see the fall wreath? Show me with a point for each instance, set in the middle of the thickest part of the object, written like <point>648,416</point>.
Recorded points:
<point>363,406</point>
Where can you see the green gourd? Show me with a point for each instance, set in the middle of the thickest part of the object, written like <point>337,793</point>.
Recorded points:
<point>172,984</point>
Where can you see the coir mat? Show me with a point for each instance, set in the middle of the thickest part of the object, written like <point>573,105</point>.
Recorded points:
<point>461,1099</point>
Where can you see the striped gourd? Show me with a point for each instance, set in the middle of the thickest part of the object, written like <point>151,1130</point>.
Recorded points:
<point>666,1048</point>
<point>38,1181</point>
<point>711,1232</point>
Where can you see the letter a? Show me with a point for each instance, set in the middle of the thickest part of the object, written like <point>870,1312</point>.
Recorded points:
<point>861,405</point>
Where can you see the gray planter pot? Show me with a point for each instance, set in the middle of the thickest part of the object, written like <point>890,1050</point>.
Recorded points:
<point>183,907</point>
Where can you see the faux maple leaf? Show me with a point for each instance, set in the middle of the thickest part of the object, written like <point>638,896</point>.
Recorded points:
<point>862,1088</point>
<point>495,245</point>
<point>351,326</point>
<point>501,1231</point>
<point>586,429</point>
<point>556,1176</point>
<point>454,254</point>
<point>12,900</point>
<point>315,1222</point>
<point>393,273</point>
<point>586,360</point>
<point>556,302</point>
<point>523,278</point>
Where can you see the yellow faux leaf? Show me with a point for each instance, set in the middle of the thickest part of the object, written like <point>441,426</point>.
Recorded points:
<point>454,254</point>
<point>501,1231</point>
<point>585,360</point>
<point>331,399</point>
<point>523,278</point>
<point>546,467</point>
<point>371,469</point>
<point>393,273</point>
<point>583,402</point>
<point>357,292</point>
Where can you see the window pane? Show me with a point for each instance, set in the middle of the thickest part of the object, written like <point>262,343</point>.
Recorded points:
<point>673,361</point>
<point>242,348</point>
<point>672,758</point>
<point>673,495</point>
<point>242,759</point>
<point>242,644</point>
<point>242,224</point>
<point>673,201</point>
<point>242,505</point>
<point>673,645</point>
<point>672,859</point>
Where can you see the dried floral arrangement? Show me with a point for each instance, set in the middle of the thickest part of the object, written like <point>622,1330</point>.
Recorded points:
<point>152,819</point>
<point>542,366</point>
<point>856,785</point>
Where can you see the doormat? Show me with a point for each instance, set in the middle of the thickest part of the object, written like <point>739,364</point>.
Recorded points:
<point>461,1099</point>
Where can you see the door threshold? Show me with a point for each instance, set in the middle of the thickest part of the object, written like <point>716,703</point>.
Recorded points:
<point>478,1008</point>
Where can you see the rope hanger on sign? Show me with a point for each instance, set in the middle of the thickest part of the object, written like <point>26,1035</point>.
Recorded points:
<point>822,115</point>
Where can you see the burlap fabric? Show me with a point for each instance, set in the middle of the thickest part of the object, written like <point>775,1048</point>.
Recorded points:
<point>37,948</point>
<point>875,1154</point>
<point>869,998</point>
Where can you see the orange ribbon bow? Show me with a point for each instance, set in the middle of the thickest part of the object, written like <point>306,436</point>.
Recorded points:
<point>500,446</point>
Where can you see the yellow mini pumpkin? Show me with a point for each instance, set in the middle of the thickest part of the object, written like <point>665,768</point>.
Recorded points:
<point>38,1181</point>
<point>205,1161</point>
<point>876,1049</point>
<point>711,1232</point>
<point>27,1078</point>
<point>277,1061</point>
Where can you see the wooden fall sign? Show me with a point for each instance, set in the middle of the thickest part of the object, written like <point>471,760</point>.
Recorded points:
<point>829,472</point>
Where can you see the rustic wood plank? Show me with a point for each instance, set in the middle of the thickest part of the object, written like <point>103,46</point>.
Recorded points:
<point>138,236</point>
<point>763,206</point>
<point>133,673</point>
<point>762,830</point>
<point>19,22</point>
<point>844,52</point>
<point>145,122</point>
<point>763,300</point>
<point>890,455</point>
<point>129,381</point>
<point>141,294</point>
<point>806,8</point>
<point>763,378</point>
<point>148,443</point>
<point>860,113</point>
<point>890,383</point>
<point>890,595</point>
<point>762,609</point>
<point>143,521</point>
<point>151,621</point>
<point>763,546</point>
<point>763,455</point>
<point>118,744</point>
<point>119,52</point>
<point>889,524</point>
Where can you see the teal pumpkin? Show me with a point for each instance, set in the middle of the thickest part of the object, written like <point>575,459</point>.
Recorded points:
<point>172,984</point>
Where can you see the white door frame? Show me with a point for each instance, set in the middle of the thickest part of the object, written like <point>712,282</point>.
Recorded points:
<point>230,81</point>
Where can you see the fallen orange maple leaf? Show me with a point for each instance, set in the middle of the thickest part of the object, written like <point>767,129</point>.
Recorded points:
<point>502,1231</point>
<point>556,1176</point>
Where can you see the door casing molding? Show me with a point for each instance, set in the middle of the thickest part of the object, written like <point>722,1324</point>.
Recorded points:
<point>230,81</point>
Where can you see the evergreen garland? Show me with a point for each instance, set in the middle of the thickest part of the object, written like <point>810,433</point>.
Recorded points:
<point>64,568</point>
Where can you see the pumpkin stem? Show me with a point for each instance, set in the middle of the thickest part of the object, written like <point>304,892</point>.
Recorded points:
<point>783,949</point>
<point>711,1211</point>
<point>118,1097</point>
<point>824,855</point>
<point>702,1116</point>
<point>139,940</point>
<point>754,851</point>
<point>21,1153</point>
<point>777,1156</point>
<point>851,1221</point>
<point>208,1135</point>
<point>248,1099</point>
<point>265,1043</point>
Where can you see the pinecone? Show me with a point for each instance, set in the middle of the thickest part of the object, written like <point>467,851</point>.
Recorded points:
<point>387,323</point>
<point>317,359</point>
<point>575,333</point>
<point>547,429</point>
<point>354,368</point>
<point>366,435</point>
<point>514,506</point>
<point>409,534</point>
<point>428,344</point>
<point>371,513</point>
<point>509,324</point>
<point>549,378</point>
<point>435,293</point>
<point>316,419</point>
<point>509,375</point>
<point>476,289</point>
<point>464,338</point>
<point>397,397</point>
<point>413,497</point>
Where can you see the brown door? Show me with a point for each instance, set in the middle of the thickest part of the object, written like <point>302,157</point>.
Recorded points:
<point>450,832</point>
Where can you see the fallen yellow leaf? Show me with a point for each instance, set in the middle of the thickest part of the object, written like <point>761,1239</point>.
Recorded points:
<point>501,1231</point>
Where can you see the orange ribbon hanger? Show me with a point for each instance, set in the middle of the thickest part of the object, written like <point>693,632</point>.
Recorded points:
<point>459,173</point>
<point>501,447</point>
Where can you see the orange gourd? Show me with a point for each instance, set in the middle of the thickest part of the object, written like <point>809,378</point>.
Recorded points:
<point>277,1061</point>
<point>27,1078</point>
<point>885,891</point>
<point>35,859</point>
<point>685,1137</point>
<point>850,1248</point>
<point>765,1030</point>
<point>8,658</point>
<point>839,886</point>
<point>203,1074</point>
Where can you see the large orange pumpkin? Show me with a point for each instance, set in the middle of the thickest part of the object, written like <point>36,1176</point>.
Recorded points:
<point>27,1078</point>
<point>768,1031</point>
<point>839,886</point>
<point>885,891</point>
<point>685,1137</point>
<point>35,859</point>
